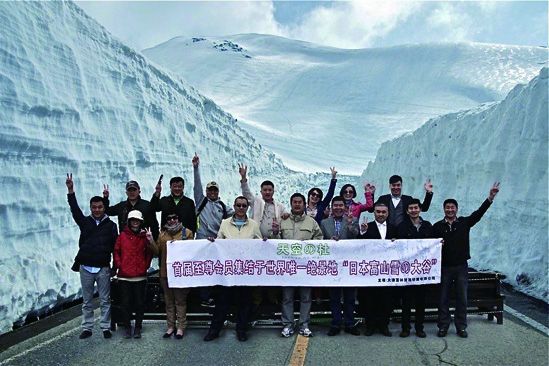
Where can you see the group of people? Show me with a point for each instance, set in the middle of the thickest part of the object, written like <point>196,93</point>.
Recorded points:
<point>139,237</point>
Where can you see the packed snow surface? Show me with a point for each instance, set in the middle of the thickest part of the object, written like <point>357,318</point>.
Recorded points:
<point>464,154</point>
<point>306,102</point>
<point>74,99</point>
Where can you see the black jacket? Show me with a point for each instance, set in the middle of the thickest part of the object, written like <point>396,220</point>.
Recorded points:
<point>455,250</point>
<point>407,230</point>
<point>96,242</point>
<point>404,201</point>
<point>184,209</point>
<point>122,208</point>
<point>373,232</point>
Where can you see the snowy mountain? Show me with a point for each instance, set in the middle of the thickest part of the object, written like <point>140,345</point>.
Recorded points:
<point>74,99</point>
<point>321,101</point>
<point>464,153</point>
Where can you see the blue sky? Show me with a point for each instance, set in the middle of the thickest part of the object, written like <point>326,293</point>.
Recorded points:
<point>349,24</point>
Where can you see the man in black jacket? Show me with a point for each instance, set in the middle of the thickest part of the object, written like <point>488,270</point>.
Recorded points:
<point>375,302</point>
<point>414,227</point>
<point>454,231</point>
<point>134,202</point>
<point>96,243</point>
<point>397,202</point>
<point>176,202</point>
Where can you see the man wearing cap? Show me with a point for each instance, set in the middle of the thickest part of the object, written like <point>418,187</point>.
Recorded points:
<point>176,202</point>
<point>210,210</point>
<point>95,246</point>
<point>134,202</point>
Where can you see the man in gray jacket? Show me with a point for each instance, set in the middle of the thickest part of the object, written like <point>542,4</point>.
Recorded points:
<point>341,226</point>
<point>210,210</point>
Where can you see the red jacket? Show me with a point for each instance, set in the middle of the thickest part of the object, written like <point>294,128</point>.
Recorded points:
<point>132,255</point>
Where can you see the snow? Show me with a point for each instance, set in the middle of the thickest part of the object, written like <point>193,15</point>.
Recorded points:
<point>464,154</point>
<point>290,94</point>
<point>74,99</point>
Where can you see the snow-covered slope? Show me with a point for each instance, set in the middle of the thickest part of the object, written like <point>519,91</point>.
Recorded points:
<point>73,99</point>
<point>305,101</point>
<point>464,153</point>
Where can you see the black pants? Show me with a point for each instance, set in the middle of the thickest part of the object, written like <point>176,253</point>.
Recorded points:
<point>413,296</point>
<point>132,300</point>
<point>242,298</point>
<point>376,306</point>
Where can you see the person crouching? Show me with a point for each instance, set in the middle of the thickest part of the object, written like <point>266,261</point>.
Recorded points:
<point>133,253</point>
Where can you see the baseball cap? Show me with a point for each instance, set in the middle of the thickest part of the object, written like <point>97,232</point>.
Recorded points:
<point>212,184</point>
<point>132,184</point>
<point>135,214</point>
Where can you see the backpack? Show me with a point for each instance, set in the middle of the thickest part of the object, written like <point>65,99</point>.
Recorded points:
<point>203,204</point>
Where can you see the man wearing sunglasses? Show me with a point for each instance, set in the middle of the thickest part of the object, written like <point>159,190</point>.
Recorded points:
<point>134,202</point>
<point>239,226</point>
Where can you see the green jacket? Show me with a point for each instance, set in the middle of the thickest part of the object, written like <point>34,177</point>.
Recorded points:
<point>301,227</point>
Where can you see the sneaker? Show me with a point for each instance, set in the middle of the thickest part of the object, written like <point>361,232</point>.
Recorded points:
<point>107,334</point>
<point>305,332</point>
<point>85,334</point>
<point>287,332</point>
<point>442,333</point>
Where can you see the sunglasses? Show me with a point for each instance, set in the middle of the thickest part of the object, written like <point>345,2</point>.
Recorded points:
<point>349,191</point>
<point>240,205</point>
<point>132,189</point>
<point>314,194</point>
<point>171,218</point>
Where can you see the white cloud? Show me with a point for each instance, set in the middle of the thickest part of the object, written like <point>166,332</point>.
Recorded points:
<point>352,24</point>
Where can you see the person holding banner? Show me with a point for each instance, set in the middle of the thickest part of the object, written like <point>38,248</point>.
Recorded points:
<point>210,210</point>
<point>239,226</point>
<point>454,231</point>
<point>337,227</point>
<point>298,226</point>
<point>414,227</point>
<point>375,302</point>
<point>174,298</point>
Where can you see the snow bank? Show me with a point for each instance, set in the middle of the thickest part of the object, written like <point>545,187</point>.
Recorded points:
<point>74,99</point>
<point>464,153</point>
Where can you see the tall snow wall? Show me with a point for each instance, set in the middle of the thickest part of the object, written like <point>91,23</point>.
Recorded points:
<point>74,99</point>
<point>464,153</point>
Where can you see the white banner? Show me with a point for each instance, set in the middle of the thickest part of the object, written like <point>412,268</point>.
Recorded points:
<point>317,263</point>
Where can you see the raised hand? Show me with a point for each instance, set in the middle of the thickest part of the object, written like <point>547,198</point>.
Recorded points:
<point>363,226</point>
<point>196,161</point>
<point>69,183</point>
<point>428,186</point>
<point>369,187</point>
<point>158,188</point>
<point>243,170</point>
<point>149,235</point>
<point>350,218</point>
<point>333,171</point>
<point>105,191</point>
<point>494,191</point>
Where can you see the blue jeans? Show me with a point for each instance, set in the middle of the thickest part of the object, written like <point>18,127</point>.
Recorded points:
<point>348,306</point>
<point>458,276</point>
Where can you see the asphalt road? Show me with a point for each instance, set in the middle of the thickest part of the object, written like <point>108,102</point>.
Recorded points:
<point>513,343</point>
